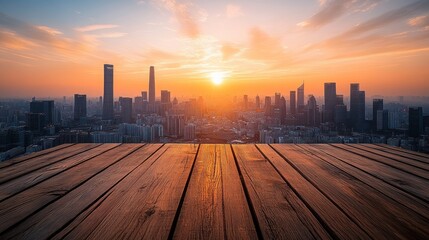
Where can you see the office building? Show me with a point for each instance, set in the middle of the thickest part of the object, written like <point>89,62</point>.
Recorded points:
<point>292,102</point>
<point>165,96</point>
<point>79,106</point>
<point>357,107</point>
<point>330,101</point>
<point>377,105</point>
<point>152,85</point>
<point>313,115</point>
<point>126,109</point>
<point>245,102</point>
<point>189,132</point>
<point>415,121</point>
<point>300,100</point>
<point>44,107</point>
<point>258,102</point>
<point>108,93</point>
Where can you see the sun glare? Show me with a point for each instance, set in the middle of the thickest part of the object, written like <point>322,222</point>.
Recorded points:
<point>217,78</point>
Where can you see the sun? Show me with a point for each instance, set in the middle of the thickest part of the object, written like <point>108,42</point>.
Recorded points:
<point>217,78</point>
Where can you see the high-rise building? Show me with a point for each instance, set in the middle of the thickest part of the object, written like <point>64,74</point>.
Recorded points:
<point>245,102</point>
<point>282,107</point>
<point>330,101</point>
<point>300,100</point>
<point>313,116</point>
<point>79,106</point>
<point>258,102</point>
<point>108,92</point>
<point>267,105</point>
<point>277,97</point>
<point>189,131</point>
<point>175,125</point>
<point>144,96</point>
<point>415,121</point>
<point>382,120</point>
<point>126,104</point>
<point>44,107</point>
<point>138,105</point>
<point>152,85</point>
<point>165,96</point>
<point>377,105</point>
<point>292,102</point>
<point>357,107</point>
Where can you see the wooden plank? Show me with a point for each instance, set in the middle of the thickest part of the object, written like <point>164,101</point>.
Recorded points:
<point>399,149</point>
<point>402,197</point>
<point>22,205</point>
<point>279,211</point>
<point>26,181</point>
<point>215,206</point>
<point>399,152</point>
<point>338,223</point>
<point>414,186</point>
<point>56,216</point>
<point>25,167</point>
<point>406,168</point>
<point>144,204</point>
<point>380,216</point>
<point>396,157</point>
<point>33,155</point>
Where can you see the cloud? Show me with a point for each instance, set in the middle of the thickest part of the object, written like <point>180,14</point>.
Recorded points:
<point>262,46</point>
<point>420,21</point>
<point>90,28</point>
<point>182,11</point>
<point>10,40</point>
<point>229,50</point>
<point>333,9</point>
<point>233,11</point>
<point>363,40</point>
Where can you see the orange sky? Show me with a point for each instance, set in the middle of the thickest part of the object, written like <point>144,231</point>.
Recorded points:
<point>259,48</point>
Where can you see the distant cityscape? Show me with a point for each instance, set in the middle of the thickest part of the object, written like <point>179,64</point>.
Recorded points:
<point>30,126</point>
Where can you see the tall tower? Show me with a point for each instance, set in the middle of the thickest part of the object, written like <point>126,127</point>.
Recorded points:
<point>357,107</point>
<point>292,102</point>
<point>152,85</point>
<point>330,101</point>
<point>300,101</point>
<point>79,106</point>
<point>108,92</point>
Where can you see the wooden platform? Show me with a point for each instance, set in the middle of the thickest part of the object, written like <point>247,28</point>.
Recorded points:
<point>186,191</point>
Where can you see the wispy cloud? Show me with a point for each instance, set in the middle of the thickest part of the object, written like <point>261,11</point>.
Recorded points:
<point>420,21</point>
<point>90,28</point>
<point>233,11</point>
<point>334,9</point>
<point>188,23</point>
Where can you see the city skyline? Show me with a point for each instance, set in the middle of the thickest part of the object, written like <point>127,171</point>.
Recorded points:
<point>213,48</point>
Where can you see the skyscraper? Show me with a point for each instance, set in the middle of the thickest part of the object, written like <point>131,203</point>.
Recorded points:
<point>152,85</point>
<point>165,96</point>
<point>377,105</point>
<point>126,109</point>
<point>43,107</point>
<point>108,92</point>
<point>300,101</point>
<point>415,121</point>
<point>357,107</point>
<point>313,112</point>
<point>245,102</point>
<point>282,110</point>
<point>79,106</point>
<point>267,106</point>
<point>292,102</point>
<point>144,96</point>
<point>258,102</point>
<point>330,101</point>
<point>277,97</point>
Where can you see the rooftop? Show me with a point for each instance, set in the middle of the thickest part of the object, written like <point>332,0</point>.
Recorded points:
<point>208,191</point>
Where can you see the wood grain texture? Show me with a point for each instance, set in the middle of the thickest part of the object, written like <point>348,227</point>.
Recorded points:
<point>328,212</point>
<point>33,155</point>
<point>22,205</point>
<point>144,204</point>
<point>280,213</point>
<point>406,168</point>
<point>57,215</point>
<point>413,185</point>
<point>405,160</point>
<point>372,182</point>
<point>215,206</point>
<point>378,215</point>
<point>400,152</point>
<point>19,184</point>
<point>25,167</point>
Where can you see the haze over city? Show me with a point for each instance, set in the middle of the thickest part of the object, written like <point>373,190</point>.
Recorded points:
<point>213,48</point>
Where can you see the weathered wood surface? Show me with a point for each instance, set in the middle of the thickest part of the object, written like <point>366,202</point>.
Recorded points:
<point>216,191</point>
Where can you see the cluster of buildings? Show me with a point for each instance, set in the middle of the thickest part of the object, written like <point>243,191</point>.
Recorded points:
<point>32,126</point>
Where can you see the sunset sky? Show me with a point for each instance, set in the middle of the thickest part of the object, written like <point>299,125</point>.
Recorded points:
<point>57,48</point>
